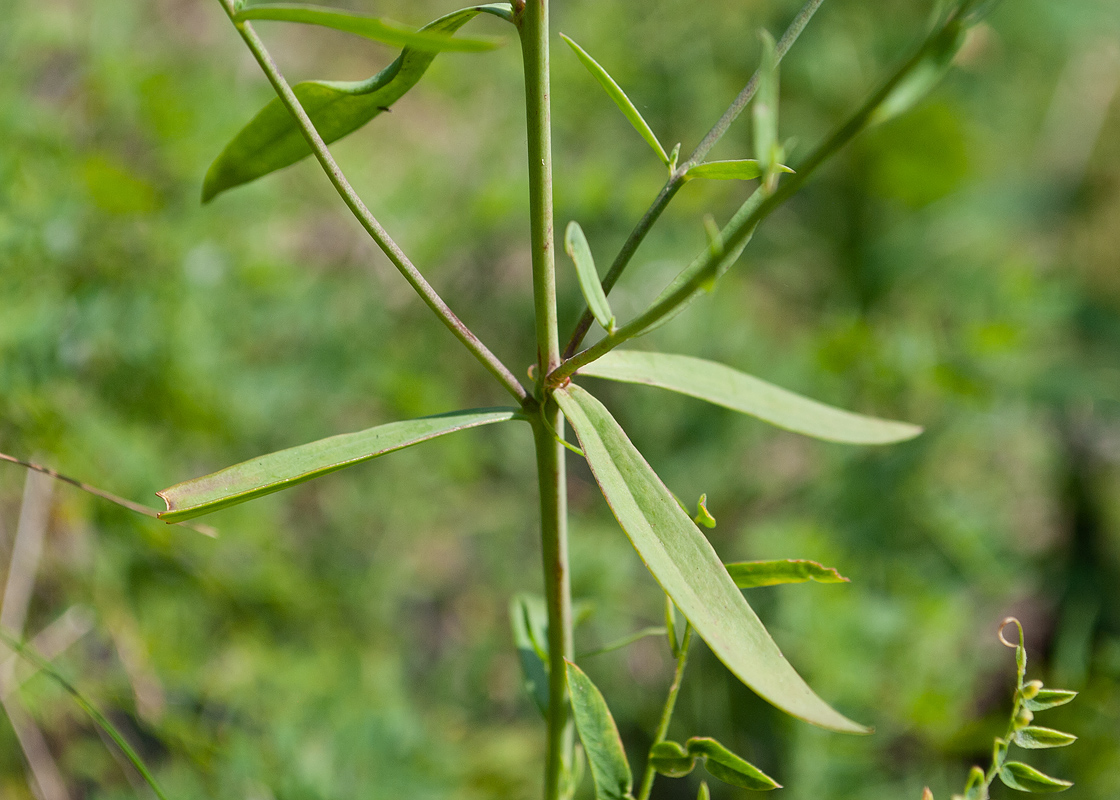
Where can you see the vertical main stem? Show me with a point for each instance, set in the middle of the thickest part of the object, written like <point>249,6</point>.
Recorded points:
<point>532,23</point>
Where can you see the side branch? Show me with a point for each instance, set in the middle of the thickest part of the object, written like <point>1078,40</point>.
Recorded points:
<point>428,294</point>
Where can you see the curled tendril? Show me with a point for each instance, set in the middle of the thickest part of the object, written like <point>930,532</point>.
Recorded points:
<point>1003,625</point>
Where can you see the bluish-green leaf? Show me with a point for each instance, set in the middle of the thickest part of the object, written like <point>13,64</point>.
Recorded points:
<point>1049,698</point>
<point>1034,737</point>
<point>1025,778</point>
<point>575,244</point>
<point>272,139</point>
<point>276,471</point>
<point>530,637</point>
<point>738,391</point>
<point>620,99</point>
<point>379,30</point>
<point>599,735</point>
<point>684,563</point>
<point>752,574</point>
<point>728,767</point>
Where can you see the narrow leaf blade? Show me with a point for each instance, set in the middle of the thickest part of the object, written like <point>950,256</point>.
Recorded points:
<point>724,386</point>
<point>599,734</point>
<point>743,170</point>
<point>730,768</point>
<point>686,566</point>
<point>1049,698</point>
<point>575,244</point>
<point>1025,778</point>
<point>272,140</point>
<point>620,99</point>
<point>1034,737</point>
<point>534,668</point>
<point>752,574</point>
<point>277,471</point>
<point>366,26</point>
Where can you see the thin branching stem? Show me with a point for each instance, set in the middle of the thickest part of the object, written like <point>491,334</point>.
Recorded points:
<point>667,711</point>
<point>711,262</point>
<point>677,178</point>
<point>358,208</point>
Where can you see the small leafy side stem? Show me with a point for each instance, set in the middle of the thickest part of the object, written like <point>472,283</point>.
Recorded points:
<point>667,711</point>
<point>532,23</point>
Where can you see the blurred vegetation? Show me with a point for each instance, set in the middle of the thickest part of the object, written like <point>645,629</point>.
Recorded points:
<point>957,268</point>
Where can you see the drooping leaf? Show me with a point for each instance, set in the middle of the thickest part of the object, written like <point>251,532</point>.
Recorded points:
<point>599,734</point>
<point>276,471</point>
<point>1034,737</point>
<point>738,391</point>
<point>379,30</point>
<point>620,99</point>
<point>686,566</point>
<point>671,759</point>
<point>272,139</point>
<point>575,244</point>
<point>1025,778</point>
<point>752,574</point>
<point>1049,698</point>
<point>923,78</point>
<point>530,637</point>
<point>728,767</point>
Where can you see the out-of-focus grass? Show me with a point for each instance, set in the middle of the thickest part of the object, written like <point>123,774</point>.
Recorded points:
<point>955,268</point>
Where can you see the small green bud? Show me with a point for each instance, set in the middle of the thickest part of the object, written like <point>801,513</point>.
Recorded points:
<point>1030,690</point>
<point>1023,718</point>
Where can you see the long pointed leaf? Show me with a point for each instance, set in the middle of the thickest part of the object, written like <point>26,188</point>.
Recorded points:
<point>746,169</point>
<point>686,565</point>
<point>599,734</point>
<point>752,574</point>
<point>272,140</point>
<point>575,244</point>
<point>276,471</point>
<point>738,391</point>
<point>620,99</point>
<point>379,30</point>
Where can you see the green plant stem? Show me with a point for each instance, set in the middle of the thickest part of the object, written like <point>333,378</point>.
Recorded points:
<point>736,233</point>
<point>677,178</point>
<point>667,712</point>
<point>558,591</point>
<point>625,641</point>
<point>358,208</point>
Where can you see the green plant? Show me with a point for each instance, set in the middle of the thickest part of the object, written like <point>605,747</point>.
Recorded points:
<point>308,116</point>
<point>1030,697</point>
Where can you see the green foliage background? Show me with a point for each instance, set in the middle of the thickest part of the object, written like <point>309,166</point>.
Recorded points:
<point>956,268</point>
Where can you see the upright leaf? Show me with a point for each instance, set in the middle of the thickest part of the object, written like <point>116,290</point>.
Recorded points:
<point>575,244</point>
<point>364,25</point>
<point>686,566</point>
<point>1025,778</point>
<point>599,734</point>
<point>280,470</point>
<point>532,647</point>
<point>738,391</point>
<point>620,99</point>
<point>752,574</point>
<point>272,139</point>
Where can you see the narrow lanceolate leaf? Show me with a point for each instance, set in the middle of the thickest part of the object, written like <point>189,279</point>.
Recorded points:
<point>1024,778</point>
<point>752,574</point>
<point>743,170</point>
<point>383,31</point>
<point>273,140</point>
<point>687,567</point>
<point>765,110</point>
<point>738,391</point>
<point>530,637</point>
<point>620,99</point>
<point>728,767</point>
<point>1035,738</point>
<point>599,735</point>
<point>1049,698</point>
<point>575,244</point>
<point>276,471</point>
